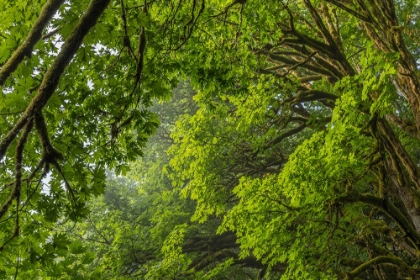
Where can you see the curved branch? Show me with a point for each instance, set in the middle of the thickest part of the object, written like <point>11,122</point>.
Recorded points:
<point>15,194</point>
<point>378,260</point>
<point>308,66</point>
<point>386,206</point>
<point>50,153</point>
<point>286,134</point>
<point>315,95</point>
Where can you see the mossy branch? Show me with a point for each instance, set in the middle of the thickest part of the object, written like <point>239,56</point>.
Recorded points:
<point>54,73</point>
<point>15,194</point>
<point>47,12</point>
<point>349,10</point>
<point>386,206</point>
<point>379,260</point>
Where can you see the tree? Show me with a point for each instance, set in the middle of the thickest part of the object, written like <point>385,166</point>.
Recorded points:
<point>343,202</point>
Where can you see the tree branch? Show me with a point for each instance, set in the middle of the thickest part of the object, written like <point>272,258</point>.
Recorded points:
<point>54,73</point>
<point>47,12</point>
<point>379,260</point>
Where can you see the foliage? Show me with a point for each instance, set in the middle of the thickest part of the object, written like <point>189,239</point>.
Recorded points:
<point>141,227</point>
<point>302,148</point>
<point>333,204</point>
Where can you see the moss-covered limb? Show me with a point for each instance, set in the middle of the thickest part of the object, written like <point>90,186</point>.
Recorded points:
<point>329,40</point>
<point>376,10</point>
<point>407,77</point>
<point>388,133</point>
<point>309,79</point>
<point>396,238</point>
<point>378,40</point>
<point>406,125</point>
<point>54,73</point>
<point>350,262</point>
<point>333,24</point>
<point>308,66</point>
<point>66,182</point>
<point>331,60</point>
<point>140,61</point>
<point>126,38</point>
<point>47,12</point>
<point>401,170</point>
<point>18,174</point>
<point>386,206</point>
<point>191,24</point>
<point>300,63</point>
<point>209,258</point>
<point>314,95</point>
<point>382,260</point>
<point>225,240</point>
<point>405,193</point>
<point>19,159</point>
<point>294,54</point>
<point>349,10</point>
<point>41,166</point>
<point>15,193</point>
<point>313,62</point>
<point>286,134</point>
<point>385,31</point>
<point>310,42</point>
<point>29,178</point>
<point>50,154</point>
<point>11,135</point>
<point>300,110</point>
<point>320,24</point>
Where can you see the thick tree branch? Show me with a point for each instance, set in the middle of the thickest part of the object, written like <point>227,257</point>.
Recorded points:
<point>15,194</point>
<point>349,10</point>
<point>54,73</point>
<point>47,12</point>
<point>379,260</point>
<point>386,206</point>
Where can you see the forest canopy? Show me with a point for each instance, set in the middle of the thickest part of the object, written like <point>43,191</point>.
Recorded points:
<point>207,139</point>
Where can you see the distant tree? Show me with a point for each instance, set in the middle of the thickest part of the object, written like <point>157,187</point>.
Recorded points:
<point>135,228</point>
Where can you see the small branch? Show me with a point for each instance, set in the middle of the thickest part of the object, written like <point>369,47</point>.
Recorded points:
<point>192,24</point>
<point>66,183</point>
<point>50,153</point>
<point>98,232</point>
<point>50,34</point>
<point>11,113</point>
<point>30,177</point>
<point>286,134</point>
